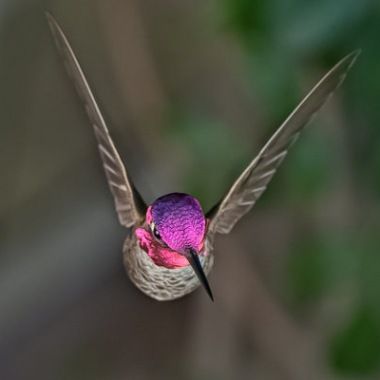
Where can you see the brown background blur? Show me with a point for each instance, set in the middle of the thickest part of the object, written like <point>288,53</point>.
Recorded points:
<point>190,90</point>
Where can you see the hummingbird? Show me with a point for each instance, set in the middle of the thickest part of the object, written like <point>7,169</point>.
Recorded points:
<point>168,252</point>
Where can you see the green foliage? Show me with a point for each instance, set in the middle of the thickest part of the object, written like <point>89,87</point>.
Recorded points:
<point>368,248</point>
<point>245,17</point>
<point>307,270</point>
<point>297,25</point>
<point>356,349</point>
<point>319,264</point>
<point>309,168</point>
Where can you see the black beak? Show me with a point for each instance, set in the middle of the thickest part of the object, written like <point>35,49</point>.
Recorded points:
<point>197,267</point>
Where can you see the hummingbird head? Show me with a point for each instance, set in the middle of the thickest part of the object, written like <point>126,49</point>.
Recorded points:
<point>177,222</point>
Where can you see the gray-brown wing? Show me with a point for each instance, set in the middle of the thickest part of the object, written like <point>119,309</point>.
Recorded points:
<point>254,180</point>
<point>129,205</point>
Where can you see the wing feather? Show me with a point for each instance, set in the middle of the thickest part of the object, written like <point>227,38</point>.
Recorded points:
<point>248,188</point>
<point>129,205</point>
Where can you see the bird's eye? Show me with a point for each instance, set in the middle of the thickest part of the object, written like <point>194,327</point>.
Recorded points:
<point>155,232</point>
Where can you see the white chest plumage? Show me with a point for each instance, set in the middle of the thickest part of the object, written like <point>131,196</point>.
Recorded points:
<point>159,282</point>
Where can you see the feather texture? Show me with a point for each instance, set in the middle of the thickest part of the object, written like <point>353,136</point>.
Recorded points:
<point>129,205</point>
<point>158,282</point>
<point>254,180</point>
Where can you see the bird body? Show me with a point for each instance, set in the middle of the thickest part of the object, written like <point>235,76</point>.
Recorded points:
<point>168,251</point>
<point>151,258</point>
<point>160,282</point>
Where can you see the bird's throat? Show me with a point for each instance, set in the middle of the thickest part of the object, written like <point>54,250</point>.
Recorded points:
<point>161,256</point>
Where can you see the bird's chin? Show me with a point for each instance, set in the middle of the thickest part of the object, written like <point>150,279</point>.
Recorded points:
<point>161,256</point>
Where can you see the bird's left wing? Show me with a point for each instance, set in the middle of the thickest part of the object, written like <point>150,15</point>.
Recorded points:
<point>130,206</point>
<point>254,180</point>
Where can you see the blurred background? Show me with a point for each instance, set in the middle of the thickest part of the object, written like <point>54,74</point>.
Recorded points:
<point>190,90</point>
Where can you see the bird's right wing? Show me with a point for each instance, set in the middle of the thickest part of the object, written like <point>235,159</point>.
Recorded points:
<point>254,179</point>
<point>129,205</point>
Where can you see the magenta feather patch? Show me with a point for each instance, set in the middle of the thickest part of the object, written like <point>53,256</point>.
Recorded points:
<point>180,221</point>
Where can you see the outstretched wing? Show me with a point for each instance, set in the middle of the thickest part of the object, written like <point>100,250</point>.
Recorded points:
<point>254,180</point>
<point>129,205</point>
